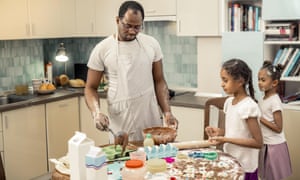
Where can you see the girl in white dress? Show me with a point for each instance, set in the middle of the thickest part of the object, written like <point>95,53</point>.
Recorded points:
<point>242,135</point>
<point>274,157</point>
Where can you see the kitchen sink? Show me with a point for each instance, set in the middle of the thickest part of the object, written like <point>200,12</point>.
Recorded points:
<point>13,98</point>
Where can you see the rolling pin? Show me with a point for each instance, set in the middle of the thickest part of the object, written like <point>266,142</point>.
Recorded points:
<point>191,144</point>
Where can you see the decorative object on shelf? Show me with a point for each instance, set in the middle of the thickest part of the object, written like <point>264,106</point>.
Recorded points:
<point>61,55</point>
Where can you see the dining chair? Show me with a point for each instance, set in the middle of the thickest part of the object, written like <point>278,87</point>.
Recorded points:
<point>218,103</point>
<point>2,173</point>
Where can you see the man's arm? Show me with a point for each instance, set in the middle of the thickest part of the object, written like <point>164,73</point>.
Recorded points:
<point>90,90</point>
<point>162,94</point>
<point>160,85</point>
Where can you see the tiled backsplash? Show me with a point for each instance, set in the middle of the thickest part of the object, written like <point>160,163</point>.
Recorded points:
<point>23,60</point>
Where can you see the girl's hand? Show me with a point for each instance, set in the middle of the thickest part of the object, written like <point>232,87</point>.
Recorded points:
<point>212,131</point>
<point>217,140</point>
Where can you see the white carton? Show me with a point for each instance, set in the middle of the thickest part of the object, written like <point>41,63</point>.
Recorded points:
<point>78,147</point>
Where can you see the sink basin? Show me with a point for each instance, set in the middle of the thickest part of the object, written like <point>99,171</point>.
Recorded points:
<point>13,98</point>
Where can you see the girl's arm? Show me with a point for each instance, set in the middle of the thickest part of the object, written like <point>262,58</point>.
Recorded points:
<point>254,142</point>
<point>275,126</point>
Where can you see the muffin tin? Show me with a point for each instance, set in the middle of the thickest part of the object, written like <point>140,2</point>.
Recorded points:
<point>113,153</point>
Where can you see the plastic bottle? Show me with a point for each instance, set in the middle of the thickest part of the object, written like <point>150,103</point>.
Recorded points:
<point>133,170</point>
<point>148,141</point>
<point>49,72</point>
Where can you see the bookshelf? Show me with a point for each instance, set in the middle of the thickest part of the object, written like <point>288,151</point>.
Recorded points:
<point>289,13</point>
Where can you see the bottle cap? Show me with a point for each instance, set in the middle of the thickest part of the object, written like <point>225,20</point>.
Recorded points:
<point>148,135</point>
<point>134,163</point>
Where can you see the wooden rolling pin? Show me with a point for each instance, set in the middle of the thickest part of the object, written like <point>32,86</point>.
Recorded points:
<point>191,144</point>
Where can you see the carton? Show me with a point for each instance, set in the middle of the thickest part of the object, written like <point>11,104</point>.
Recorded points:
<point>78,147</point>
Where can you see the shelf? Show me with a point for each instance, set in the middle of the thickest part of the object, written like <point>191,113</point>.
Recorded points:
<point>294,78</point>
<point>282,42</point>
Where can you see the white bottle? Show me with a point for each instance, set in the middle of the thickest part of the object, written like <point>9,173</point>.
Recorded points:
<point>49,72</point>
<point>148,141</point>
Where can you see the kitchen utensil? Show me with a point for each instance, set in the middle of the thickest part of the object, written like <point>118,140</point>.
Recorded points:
<point>191,144</point>
<point>120,138</point>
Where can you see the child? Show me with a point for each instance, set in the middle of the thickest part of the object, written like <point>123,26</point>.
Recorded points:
<point>242,135</point>
<point>274,156</point>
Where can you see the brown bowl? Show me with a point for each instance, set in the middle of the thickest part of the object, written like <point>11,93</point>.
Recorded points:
<point>161,135</point>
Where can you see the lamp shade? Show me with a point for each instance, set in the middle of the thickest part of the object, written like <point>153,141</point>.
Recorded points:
<point>61,54</point>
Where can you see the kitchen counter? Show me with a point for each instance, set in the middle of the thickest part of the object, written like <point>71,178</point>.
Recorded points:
<point>184,99</point>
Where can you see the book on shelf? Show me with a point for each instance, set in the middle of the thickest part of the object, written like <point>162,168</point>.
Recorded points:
<point>277,56</point>
<point>243,17</point>
<point>284,51</point>
<point>295,69</point>
<point>292,62</point>
<point>287,56</point>
<point>281,31</point>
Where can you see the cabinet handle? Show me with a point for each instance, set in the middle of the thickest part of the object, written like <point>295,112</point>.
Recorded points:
<point>32,29</point>
<point>92,26</point>
<point>179,25</point>
<point>151,11</point>
<point>63,105</point>
<point>27,29</point>
<point>5,122</point>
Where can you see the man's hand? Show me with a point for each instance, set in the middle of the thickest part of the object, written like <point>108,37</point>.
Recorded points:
<point>170,120</point>
<point>101,121</point>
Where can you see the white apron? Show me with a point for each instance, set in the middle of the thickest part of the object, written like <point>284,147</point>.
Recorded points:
<point>132,112</point>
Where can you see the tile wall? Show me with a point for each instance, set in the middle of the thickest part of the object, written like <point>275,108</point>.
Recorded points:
<point>23,60</point>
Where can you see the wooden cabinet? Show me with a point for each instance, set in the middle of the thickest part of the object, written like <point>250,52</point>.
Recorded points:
<point>51,18</point>
<point>62,120</point>
<point>96,17</point>
<point>281,9</point>
<point>14,19</point>
<point>87,124</point>
<point>196,18</point>
<point>24,135</point>
<point>159,9</point>
<point>191,122</point>
<point>24,19</point>
<point>291,126</point>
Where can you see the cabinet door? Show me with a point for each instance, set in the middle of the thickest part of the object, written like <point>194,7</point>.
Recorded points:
<point>281,9</point>
<point>24,133</point>
<point>191,122</point>
<point>196,18</point>
<point>62,119</point>
<point>51,18</point>
<point>85,17</point>
<point>247,46</point>
<point>159,7</point>
<point>87,124</point>
<point>14,19</point>
<point>291,126</point>
<point>106,13</point>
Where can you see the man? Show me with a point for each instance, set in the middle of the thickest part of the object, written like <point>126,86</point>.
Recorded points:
<point>133,64</point>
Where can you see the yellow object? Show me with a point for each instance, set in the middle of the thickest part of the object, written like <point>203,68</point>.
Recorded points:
<point>148,141</point>
<point>50,86</point>
<point>43,86</point>
<point>64,79</point>
<point>156,165</point>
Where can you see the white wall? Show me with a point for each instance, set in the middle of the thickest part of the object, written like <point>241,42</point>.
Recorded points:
<point>209,64</point>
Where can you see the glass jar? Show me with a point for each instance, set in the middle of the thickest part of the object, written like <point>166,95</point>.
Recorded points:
<point>133,170</point>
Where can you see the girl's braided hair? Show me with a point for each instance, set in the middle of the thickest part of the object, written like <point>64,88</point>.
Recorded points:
<point>237,68</point>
